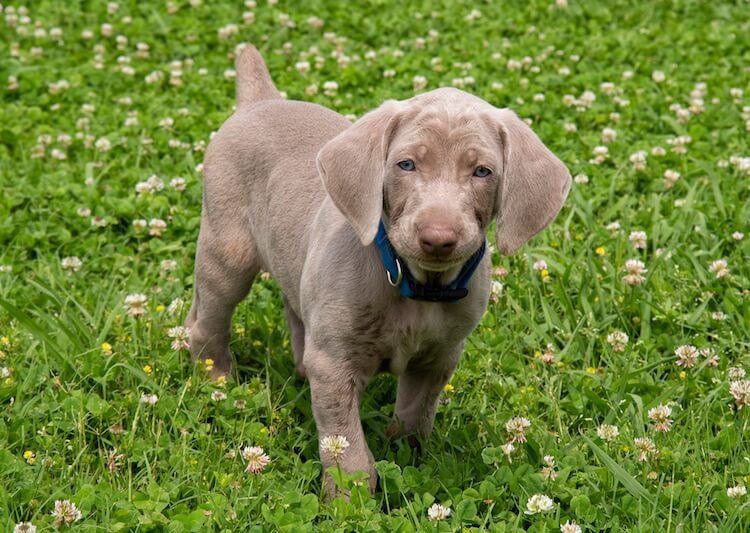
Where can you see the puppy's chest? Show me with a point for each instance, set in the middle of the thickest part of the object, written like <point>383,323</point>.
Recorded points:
<point>412,331</point>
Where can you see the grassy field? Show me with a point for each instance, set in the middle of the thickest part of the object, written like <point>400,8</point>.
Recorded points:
<point>631,375</point>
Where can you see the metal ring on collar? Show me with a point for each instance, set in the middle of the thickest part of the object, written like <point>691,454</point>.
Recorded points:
<point>398,278</point>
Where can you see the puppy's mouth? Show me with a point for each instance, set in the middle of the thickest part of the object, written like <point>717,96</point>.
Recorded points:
<point>453,262</point>
<point>437,265</point>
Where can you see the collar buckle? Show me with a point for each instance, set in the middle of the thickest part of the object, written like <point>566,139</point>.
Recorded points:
<point>399,276</point>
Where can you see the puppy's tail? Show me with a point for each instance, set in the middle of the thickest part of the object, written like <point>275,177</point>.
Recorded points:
<point>253,80</point>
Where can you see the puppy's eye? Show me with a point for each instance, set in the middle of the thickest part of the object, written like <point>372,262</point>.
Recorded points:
<point>482,172</point>
<point>407,165</point>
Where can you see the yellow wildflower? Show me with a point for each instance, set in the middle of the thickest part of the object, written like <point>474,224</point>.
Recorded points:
<point>148,369</point>
<point>106,348</point>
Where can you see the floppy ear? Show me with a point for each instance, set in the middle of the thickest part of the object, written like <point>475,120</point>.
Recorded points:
<point>352,166</point>
<point>534,184</point>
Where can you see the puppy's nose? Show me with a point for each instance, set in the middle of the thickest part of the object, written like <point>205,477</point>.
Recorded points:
<point>438,241</point>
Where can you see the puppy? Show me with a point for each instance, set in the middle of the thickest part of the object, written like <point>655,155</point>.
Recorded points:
<point>375,232</point>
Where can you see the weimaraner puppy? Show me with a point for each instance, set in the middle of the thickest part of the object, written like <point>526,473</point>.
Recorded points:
<point>375,232</point>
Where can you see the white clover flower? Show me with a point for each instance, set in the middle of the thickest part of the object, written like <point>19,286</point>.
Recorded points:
<point>660,416</point>
<point>607,432</point>
<point>737,491</point>
<point>330,88</point>
<point>581,179</point>
<point>710,354</point>
<point>225,32</point>
<point>508,449</point>
<point>175,305</point>
<point>303,67</point>
<point>687,355</point>
<point>607,87</point>
<point>740,391</point>
<point>98,222</point>
<point>149,399</point>
<point>570,527</point>
<point>168,265</point>
<point>736,373</point>
<point>613,227</point>
<point>618,340</point>
<point>156,227</point>
<point>634,269</point>
<point>419,83</point>
<point>639,160</point>
<point>738,235</point>
<point>569,127</point>
<point>218,395</point>
<point>548,470</point>
<point>517,427</point>
<point>586,99</point>
<point>154,77</point>
<point>496,290</point>
<point>71,263</point>
<point>178,183</point>
<point>256,459</point>
<point>135,304</point>
<point>719,268</point>
<point>334,445</point>
<point>609,135</point>
<point>438,512</point>
<point>315,23</point>
<point>539,503</point>
<point>180,336</point>
<point>658,76</point>
<point>24,527</point>
<point>540,265</point>
<point>646,448</point>
<point>103,145</point>
<point>601,153</point>
<point>638,239</point>
<point>670,177</point>
<point>65,512</point>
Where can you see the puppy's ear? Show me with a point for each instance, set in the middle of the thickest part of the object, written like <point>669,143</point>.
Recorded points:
<point>533,188</point>
<point>352,166</point>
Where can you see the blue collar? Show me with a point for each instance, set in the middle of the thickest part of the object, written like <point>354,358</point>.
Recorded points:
<point>399,276</point>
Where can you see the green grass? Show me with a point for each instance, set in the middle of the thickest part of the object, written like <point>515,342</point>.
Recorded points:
<point>177,465</point>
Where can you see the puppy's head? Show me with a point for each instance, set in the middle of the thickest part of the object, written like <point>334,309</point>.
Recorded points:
<point>437,168</point>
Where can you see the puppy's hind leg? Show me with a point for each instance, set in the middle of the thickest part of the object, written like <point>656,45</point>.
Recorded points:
<point>226,263</point>
<point>297,330</point>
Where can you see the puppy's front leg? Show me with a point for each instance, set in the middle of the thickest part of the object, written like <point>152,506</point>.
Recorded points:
<point>418,392</point>
<point>336,388</point>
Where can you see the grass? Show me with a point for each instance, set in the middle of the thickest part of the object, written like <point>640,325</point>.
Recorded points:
<point>75,366</point>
